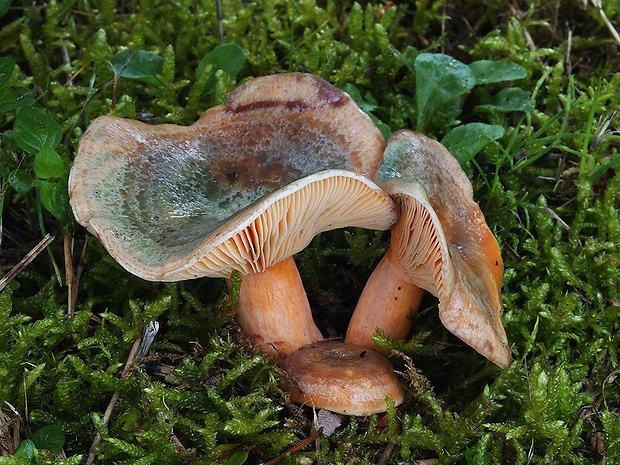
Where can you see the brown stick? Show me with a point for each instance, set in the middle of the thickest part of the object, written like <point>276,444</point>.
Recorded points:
<point>78,273</point>
<point>300,445</point>
<point>220,20</point>
<point>24,262</point>
<point>108,411</point>
<point>610,27</point>
<point>72,275</point>
<point>385,456</point>
<point>69,275</point>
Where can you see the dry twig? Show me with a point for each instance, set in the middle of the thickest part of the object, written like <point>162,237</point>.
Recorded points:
<point>72,275</point>
<point>598,4</point>
<point>108,411</point>
<point>385,455</point>
<point>24,262</point>
<point>9,431</point>
<point>297,447</point>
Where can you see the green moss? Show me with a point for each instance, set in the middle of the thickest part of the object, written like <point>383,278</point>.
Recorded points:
<point>549,189</point>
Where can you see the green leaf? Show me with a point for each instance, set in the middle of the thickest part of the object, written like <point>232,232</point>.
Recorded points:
<point>611,424</point>
<point>13,285</point>
<point>20,181</point>
<point>55,198</point>
<point>614,163</point>
<point>511,99</point>
<point>368,105</point>
<point>226,57</point>
<point>138,64</point>
<point>355,94</point>
<point>48,164</point>
<point>34,130</point>
<point>7,65</point>
<point>473,458</point>
<point>232,454</point>
<point>386,131</point>
<point>49,438</point>
<point>14,97</point>
<point>491,71</point>
<point>33,375</point>
<point>128,448</point>
<point>440,80</point>
<point>465,141</point>
<point>25,450</point>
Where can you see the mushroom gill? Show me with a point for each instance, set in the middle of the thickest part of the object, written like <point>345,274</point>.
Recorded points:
<point>441,243</point>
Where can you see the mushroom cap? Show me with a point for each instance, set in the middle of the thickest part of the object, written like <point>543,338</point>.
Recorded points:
<point>343,378</point>
<point>172,202</point>
<point>443,241</point>
<point>160,247</point>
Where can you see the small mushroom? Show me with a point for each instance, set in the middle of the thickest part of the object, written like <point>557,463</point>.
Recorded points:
<point>343,378</point>
<point>244,188</point>
<point>441,243</point>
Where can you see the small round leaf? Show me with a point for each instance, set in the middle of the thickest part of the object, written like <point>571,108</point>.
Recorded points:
<point>25,451</point>
<point>34,130</point>
<point>49,438</point>
<point>138,64</point>
<point>55,198</point>
<point>227,57</point>
<point>48,164</point>
<point>514,99</point>
<point>20,181</point>
<point>491,71</point>
<point>465,141</point>
<point>14,97</point>
<point>440,82</point>
<point>7,65</point>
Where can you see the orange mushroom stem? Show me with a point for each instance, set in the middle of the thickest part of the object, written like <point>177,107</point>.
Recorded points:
<point>274,312</point>
<point>388,302</point>
<point>442,244</point>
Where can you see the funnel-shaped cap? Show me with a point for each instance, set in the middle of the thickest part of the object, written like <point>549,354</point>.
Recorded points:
<point>237,190</point>
<point>443,242</point>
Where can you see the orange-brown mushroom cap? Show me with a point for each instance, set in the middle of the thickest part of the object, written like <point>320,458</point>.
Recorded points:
<point>244,188</point>
<point>172,203</point>
<point>264,233</point>
<point>443,242</point>
<point>344,378</point>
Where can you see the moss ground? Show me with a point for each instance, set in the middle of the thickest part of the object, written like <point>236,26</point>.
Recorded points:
<point>548,186</point>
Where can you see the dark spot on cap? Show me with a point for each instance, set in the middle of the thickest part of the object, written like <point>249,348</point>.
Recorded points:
<point>330,94</point>
<point>488,347</point>
<point>292,105</point>
<point>253,106</point>
<point>363,353</point>
<point>258,170</point>
<point>296,105</point>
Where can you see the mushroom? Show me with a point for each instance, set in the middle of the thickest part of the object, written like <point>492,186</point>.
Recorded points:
<point>343,378</point>
<point>244,188</point>
<point>441,243</point>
